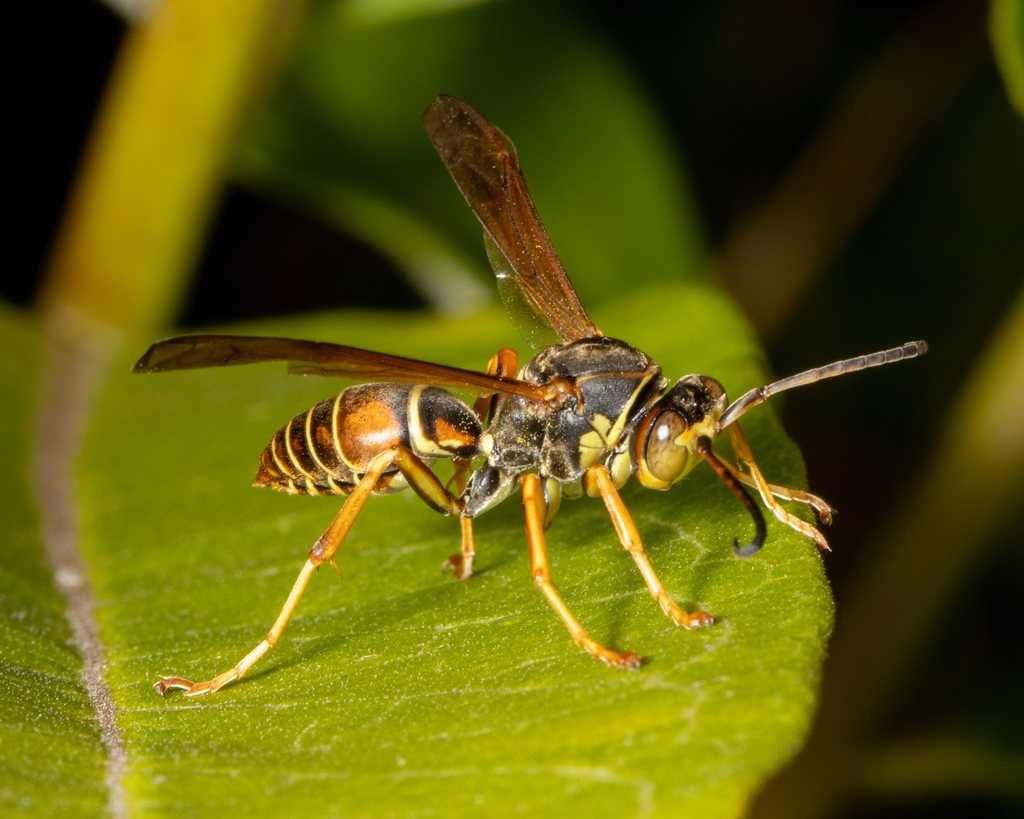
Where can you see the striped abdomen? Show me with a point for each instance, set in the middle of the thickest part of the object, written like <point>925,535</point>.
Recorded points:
<point>326,450</point>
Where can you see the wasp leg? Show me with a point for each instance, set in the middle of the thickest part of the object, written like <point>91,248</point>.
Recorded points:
<point>727,477</point>
<point>420,478</point>
<point>249,660</point>
<point>461,565</point>
<point>741,447</point>
<point>820,506</point>
<point>597,481</point>
<point>504,362</point>
<point>533,507</point>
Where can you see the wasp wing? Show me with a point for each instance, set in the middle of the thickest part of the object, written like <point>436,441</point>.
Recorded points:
<point>322,358</point>
<point>532,281</point>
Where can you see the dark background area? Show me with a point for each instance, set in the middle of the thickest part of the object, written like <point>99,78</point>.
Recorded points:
<point>756,81</point>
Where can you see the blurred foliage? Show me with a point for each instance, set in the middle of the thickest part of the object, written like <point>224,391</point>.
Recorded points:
<point>612,194</point>
<point>1007,31</point>
<point>153,165</point>
<point>926,183</point>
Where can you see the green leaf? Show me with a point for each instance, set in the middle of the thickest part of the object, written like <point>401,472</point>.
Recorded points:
<point>399,690</point>
<point>1006,29</point>
<point>376,12</point>
<point>341,136</point>
<point>51,758</point>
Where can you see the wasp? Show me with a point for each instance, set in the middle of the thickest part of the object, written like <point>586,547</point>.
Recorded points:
<point>582,416</point>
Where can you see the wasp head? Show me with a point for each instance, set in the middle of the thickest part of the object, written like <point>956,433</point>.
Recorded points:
<point>665,447</point>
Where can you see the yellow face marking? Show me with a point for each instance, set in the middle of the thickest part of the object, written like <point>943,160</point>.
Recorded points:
<point>648,480</point>
<point>688,438</point>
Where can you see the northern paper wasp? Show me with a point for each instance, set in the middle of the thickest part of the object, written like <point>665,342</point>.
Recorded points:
<point>582,416</point>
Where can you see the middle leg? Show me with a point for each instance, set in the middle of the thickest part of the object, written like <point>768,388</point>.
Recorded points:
<point>535,511</point>
<point>597,482</point>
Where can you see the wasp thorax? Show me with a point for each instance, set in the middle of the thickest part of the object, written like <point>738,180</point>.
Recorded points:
<point>666,440</point>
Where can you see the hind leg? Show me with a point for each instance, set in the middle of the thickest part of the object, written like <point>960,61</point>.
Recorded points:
<point>504,362</point>
<point>420,478</point>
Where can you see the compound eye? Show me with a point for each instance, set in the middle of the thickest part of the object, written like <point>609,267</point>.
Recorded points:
<point>666,460</point>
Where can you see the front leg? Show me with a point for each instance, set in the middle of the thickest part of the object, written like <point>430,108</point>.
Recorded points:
<point>741,447</point>
<point>597,482</point>
<point>821,507</point>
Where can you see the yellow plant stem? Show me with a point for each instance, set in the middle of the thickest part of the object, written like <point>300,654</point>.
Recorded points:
<point>153,165</point>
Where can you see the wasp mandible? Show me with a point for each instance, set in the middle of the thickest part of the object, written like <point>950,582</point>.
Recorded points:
<point>581,417</point>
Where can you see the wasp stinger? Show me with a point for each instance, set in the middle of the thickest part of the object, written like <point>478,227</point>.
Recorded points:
<point>581,417</point>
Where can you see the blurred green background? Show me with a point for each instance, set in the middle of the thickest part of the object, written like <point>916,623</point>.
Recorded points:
<point>851,173</point>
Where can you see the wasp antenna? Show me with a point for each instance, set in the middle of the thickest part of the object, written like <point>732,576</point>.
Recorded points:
<point>912,349</point>
<point>752,548</point>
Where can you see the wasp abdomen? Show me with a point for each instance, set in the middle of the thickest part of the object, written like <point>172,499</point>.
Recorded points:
<point>326,450</point>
